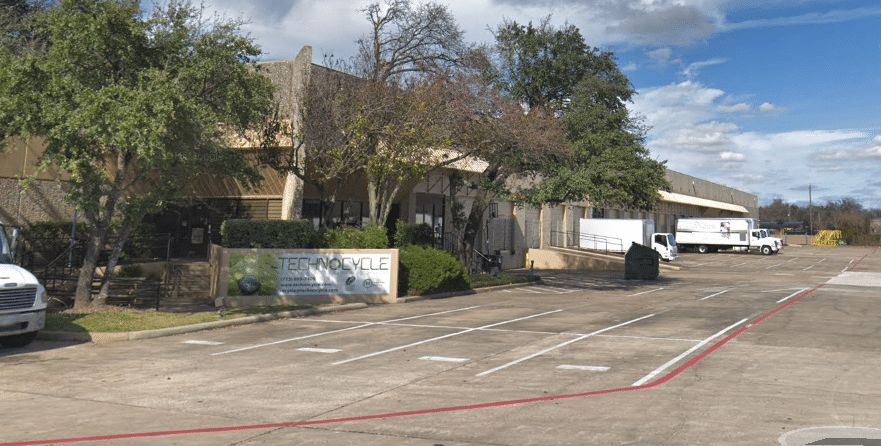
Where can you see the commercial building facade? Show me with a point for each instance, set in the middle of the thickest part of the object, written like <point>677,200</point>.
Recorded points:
<point>509,230</point>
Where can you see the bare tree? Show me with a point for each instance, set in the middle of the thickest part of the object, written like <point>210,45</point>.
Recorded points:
<point>408,40</point>
<point>407,59</point>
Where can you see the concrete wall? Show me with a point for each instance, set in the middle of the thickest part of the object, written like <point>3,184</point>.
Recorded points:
<point>42,201</point>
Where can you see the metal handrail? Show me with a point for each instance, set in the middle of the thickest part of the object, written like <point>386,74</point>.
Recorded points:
<point>608,243</point>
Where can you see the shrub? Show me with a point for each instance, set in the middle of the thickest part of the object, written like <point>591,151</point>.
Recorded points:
<point>429,270</point>
<point>268,234</point>
<point>372,237</point>
<point>129,271</point>
<point>407,234</point>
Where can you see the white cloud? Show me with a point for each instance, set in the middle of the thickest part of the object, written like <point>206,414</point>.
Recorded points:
<point>770,108</point>
<point>677,105</point>
<point>694,69</point>
<point>661,56</point>
<point>873,149</point>
<point>710,137</point>
<point>736,108</point>
<point>814,18</point>
<point>691,127</point>
<point>836,155</point>
<point>732,156</point>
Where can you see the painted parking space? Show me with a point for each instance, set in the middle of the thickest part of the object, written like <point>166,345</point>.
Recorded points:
<point>709,337</point>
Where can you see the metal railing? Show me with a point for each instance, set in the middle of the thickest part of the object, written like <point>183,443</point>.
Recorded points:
<point>572,239</point>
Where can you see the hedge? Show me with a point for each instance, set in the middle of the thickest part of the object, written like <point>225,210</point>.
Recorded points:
<point>407,234</point>
<point>430,270</point>
<point>268,234</point>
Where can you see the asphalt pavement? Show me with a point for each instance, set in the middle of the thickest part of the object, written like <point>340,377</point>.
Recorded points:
<point>730,349</point>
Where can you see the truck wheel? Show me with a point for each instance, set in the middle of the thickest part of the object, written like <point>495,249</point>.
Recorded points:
<point>703,249</point>
<point>766,250</point>
<point>19,340</point>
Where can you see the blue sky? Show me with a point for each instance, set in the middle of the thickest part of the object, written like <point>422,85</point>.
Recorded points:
<point>768,97</point>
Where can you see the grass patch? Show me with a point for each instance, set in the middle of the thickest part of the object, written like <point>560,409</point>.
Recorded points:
<point>116,320</point>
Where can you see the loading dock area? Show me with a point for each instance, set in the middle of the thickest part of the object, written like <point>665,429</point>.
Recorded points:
<point>731,349</point>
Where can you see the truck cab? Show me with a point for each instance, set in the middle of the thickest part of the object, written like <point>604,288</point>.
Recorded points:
<point>23,300</point>
<point>665,245</point>
<point>778,242</point>
<point>760,240</point>
<point>768,245</point>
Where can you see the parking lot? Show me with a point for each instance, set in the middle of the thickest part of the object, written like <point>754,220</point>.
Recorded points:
<point>731,349</point>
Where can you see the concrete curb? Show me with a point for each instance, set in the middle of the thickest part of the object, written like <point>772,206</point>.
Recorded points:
<point>148,334</point>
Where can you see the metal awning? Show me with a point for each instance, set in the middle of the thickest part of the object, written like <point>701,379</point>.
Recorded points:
<point>673,197</point>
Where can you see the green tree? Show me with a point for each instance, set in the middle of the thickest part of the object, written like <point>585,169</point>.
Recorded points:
<point>545,67</point>
<point>133,109</point>
<point>541,65</point>
<point>519,149</point>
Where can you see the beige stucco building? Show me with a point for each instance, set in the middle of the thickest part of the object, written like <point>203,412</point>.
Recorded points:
<point>509,230</point>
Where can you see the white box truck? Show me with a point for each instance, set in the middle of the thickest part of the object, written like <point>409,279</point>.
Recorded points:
<point>616,235</point>
<point>22,298</point>
<point>713,234</point>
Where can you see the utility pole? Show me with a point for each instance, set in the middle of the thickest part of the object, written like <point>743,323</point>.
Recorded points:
<point>810,213</point>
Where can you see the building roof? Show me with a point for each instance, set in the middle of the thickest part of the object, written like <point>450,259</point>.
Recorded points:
<point>673,197</point>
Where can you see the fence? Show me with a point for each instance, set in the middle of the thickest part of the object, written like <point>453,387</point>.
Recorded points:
<point>56,262</point>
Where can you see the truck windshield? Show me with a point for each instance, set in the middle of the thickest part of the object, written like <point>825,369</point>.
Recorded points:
<point>671,241</point>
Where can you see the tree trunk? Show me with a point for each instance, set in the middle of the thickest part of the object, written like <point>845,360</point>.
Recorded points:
<point>114,259</point>
<point>372,201</point>
<point>83,296</point>
<point>473,226</point>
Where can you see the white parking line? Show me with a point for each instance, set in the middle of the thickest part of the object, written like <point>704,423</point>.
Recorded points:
<point>251,347</point>
<point>369,355</point>
<point>517,361</point>
<point>686,353</point>
<point>714,295</point>
<point>586,368</point>
<point>772,266</point>
<point>793,295</point>
<point>319,350</point>
<point>366,324</point>
<point>645,292</point>
<point>648,338</point>
<point>782,289</point>
<point>558,290</point>
<point>443,359</point>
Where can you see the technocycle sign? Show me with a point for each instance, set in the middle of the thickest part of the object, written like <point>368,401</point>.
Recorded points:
<point>301,274</point>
